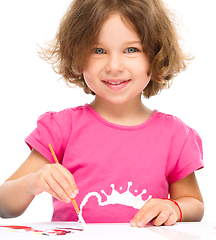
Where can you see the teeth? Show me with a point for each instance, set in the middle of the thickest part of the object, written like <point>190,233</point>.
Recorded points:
<point>114,83</point>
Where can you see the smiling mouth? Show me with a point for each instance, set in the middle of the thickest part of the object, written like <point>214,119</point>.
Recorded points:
<point>116,82</point>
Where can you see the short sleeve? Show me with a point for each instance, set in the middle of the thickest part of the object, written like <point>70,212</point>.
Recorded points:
<point>52,128</point>
<point>190,157</point>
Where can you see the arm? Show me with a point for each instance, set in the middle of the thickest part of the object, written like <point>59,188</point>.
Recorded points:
<point>33,177</point>
<point>186,193</point>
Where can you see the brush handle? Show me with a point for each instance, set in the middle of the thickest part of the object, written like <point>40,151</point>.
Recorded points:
<point>56,160</point>
<point>53,153</point>
<point>75,205</point>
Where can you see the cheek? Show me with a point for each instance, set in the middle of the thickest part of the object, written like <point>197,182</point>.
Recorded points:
<point>90,75</point>
<point>141,65</point>
<point>91,68</point>
<point>92,71</point>
<point>88,78</point>
<point>141,71</point>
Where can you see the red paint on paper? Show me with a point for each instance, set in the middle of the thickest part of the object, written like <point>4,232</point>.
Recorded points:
<point>45,232</point>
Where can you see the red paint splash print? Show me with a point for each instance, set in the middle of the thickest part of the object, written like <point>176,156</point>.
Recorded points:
<point>43,232</point>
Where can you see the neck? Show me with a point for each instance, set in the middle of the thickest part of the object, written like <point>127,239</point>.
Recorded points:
<point>129,113</point>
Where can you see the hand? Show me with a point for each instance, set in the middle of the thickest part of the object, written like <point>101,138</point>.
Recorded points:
<point>54,179</point>
<point>159,211</point>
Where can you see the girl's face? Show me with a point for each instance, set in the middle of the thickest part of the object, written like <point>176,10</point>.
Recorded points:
<point>117,70</point>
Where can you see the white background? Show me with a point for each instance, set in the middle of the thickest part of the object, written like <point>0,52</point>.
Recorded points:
<point>29,87</point>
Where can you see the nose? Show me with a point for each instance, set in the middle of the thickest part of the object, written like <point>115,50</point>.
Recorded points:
<point>114,64</point>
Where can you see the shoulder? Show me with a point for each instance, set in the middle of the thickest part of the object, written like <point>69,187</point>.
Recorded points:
<point>61,121</point>
<point>175,127</point>
<point>172,122</point>
<point>64,115</point>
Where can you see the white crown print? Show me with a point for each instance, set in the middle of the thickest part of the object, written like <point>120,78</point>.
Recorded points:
<point>126,198</point>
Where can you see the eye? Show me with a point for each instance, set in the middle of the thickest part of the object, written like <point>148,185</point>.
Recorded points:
<point>99,51</point>
<point>131,50</point>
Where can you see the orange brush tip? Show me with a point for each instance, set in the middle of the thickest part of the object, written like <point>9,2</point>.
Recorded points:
<point>75,205</point>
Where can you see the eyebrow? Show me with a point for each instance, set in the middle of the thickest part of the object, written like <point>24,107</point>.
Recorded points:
<point>129,42</point>
<point>132,42</point>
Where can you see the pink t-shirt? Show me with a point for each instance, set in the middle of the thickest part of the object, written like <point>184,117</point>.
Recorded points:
<point>116,168</point>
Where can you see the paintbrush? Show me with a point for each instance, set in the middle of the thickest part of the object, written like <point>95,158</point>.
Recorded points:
<point>72,199</point>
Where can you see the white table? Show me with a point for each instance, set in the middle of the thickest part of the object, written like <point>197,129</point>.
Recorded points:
<point>180,231</point>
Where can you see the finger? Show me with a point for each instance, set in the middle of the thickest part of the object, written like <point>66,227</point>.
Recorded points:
<point>52,193</point>
<point>70,186</point>
<point>140,214</point>
<point>55,189</point>
<point>145,215</point>
<point>161,218</point>
<point>171,220</point>
<point>66,180</point>
<point>148,217</point>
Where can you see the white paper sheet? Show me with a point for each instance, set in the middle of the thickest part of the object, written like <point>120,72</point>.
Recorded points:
<point>98,232</point>
<point>179,231</point>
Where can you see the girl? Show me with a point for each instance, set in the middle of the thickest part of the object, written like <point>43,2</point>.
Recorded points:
<point>119,159</point>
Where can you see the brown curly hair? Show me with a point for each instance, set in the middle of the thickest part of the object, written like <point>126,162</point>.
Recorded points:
<point>80,26</point>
